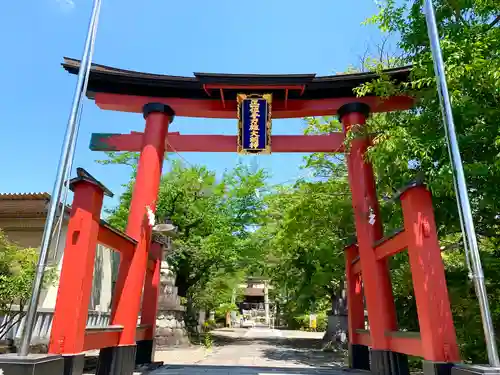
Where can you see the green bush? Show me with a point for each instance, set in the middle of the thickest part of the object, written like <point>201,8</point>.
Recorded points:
<point>220,319</point>
<point>209,325</point>
<point>17,271</point>
<point>208,340</point>
<point>302,322</point>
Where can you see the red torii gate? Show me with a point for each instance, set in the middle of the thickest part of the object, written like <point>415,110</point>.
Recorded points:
<point>160,98</point>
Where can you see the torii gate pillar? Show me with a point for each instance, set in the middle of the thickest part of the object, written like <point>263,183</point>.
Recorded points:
<point>132,269</point>
<point>376,277</point>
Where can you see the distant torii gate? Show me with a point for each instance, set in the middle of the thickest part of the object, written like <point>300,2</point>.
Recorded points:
<point>159,98</point>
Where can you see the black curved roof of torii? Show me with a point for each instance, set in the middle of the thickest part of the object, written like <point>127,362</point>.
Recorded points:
<point>106,79</point>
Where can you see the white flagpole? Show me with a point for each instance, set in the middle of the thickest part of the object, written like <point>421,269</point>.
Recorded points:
<point>67,153</point>
<point>465,213</point>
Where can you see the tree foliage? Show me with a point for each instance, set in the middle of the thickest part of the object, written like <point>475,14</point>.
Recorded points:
<point>213,218</point>
<point>411,144</point>
<point>17,271</point>
<point>303,234</point>
<point>295,235</point>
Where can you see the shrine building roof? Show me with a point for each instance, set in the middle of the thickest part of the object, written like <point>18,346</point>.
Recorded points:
<point>106,79</point>
<point>24,196</point>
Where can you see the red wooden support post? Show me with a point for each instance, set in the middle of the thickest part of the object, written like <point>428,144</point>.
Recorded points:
<point>132,268</point>
<point>439,342</point>
<point>377,282</point>
<point>75,284</point>
<point>358,354</point>
<point>145,348</point>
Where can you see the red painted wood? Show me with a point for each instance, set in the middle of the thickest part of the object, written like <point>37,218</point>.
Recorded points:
<point>75,284</point>
<point>376,279</point>
<point>222,98</point>
<point>151,265</point>
<point>405,345</point>
<point>98,339</point>
<point>213,108</point>
<point>399,344</point>
<point>356,267</point>
<point>228,143</point>
<point>132,269</point>
<point>114,241</point>
<point>392,246</point>
<point>151,292</point>
<point>362,339</point>
<point>144,333</point>
<point>155,252</point>
<point>355,305</point>
<point>101,339</point>
<point>437,331</point>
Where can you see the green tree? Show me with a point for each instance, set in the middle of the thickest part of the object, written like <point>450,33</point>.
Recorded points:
<point>302,236</point>
<point>220,289</point>
<point>17,271</point>
<point>411,144</point>
<point>213,217</point>
<point>470,38</point>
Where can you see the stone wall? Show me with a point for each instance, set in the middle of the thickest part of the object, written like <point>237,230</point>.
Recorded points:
<point>170,329</point>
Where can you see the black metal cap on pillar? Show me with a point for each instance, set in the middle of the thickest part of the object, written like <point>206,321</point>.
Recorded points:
<point>355,107</point>
<point>83,175</point>
<point>158,107</point>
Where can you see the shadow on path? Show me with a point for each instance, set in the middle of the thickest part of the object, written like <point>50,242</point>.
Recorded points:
<point>292,350</point>
<point>220,339</point>
<point>244,370</point>
<point>254,353</point>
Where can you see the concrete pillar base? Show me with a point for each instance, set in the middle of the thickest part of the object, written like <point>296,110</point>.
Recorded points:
<point>33,364</point>
<point>117,360</point>
<point>386,362</point>
<point>359,357</point>
<point>74,364</point>
<point>462,369</point>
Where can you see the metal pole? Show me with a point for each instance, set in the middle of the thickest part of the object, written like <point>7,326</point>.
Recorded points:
<point>56,234</point>
<point>66,156</point>
<point>67,173</point>
<point>465,212</point>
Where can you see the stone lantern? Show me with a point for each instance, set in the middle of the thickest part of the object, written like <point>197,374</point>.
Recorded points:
<point>170,325</point>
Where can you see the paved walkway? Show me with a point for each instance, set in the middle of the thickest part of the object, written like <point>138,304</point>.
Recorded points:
<point>238,370</point>
<point>255,351</point>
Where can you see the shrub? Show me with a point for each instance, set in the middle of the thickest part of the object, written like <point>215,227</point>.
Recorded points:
<point>209,325</point>
<point>17,271</point>
<point>302,322</point>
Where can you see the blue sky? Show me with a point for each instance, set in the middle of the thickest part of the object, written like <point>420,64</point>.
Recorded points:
<point>169,37</point>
